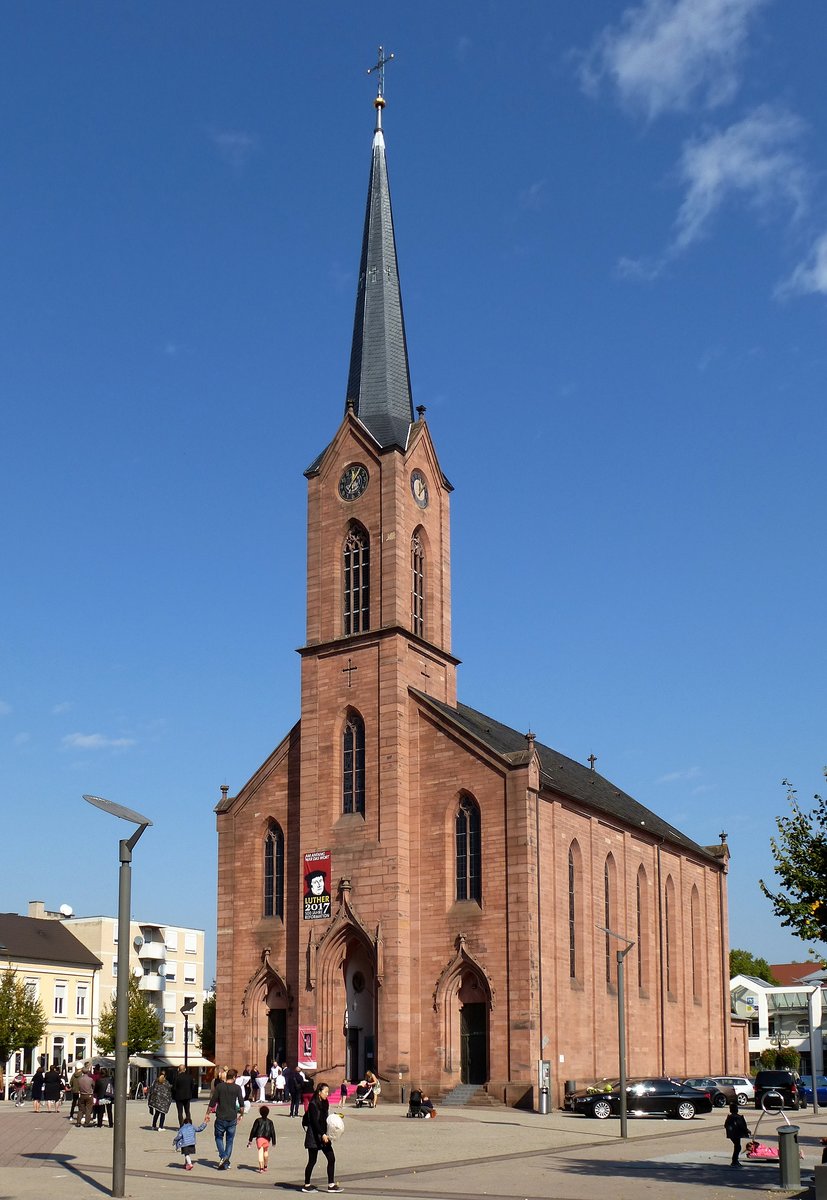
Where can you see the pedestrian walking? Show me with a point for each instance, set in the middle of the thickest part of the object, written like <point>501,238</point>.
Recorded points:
<point>263,1133</point>
<point>182,1095</point>
<point>227,1099</point>
<point>86,1087</point>
<point>316,1138</point>
<point>736,1129</point>
<point>160,1098</point>
<point>184,1140</point>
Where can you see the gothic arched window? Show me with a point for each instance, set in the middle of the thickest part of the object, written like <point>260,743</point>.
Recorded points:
<point>642,898</point>
<point>468,850</point>
<point>356,605</point>
<point>670,947</point>
<point>417,586</point>
<point>695,934</point>
<point>353,765</point>
<point>274,871</point>
<point>575,880</point>
<point>609,907</point>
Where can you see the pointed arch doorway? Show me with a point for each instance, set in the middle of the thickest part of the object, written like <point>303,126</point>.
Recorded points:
<point>464,998</point>
<point>359,979</point>
<point>276,1004</point>
<point>473,1031</point>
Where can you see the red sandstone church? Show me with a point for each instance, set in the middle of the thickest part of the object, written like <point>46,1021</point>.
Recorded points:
<point>431,884</point>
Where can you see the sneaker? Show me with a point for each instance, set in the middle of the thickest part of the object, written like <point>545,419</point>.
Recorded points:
<point>333,1187</point>
<point>187,1166</point>
<point>309,1187</point>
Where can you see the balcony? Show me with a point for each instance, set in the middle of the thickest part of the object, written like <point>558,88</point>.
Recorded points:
<point>151,983</point>
<point>153,950</point>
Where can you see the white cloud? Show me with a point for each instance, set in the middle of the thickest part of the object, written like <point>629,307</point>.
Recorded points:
<point>755,158</point>
<point>810,276</point>
<point>64,707</point>
<point>666,53</point>
<point>95,741</point>
<point>680,776</point>
<point>20,739</point>
<point>533,198</point>
<point>234,146</point>
<point>5,708</point>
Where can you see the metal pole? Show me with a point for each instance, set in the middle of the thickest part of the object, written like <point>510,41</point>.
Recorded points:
<point>186,1039</point>
<point>122,1015</point>
<point>621,1040</point>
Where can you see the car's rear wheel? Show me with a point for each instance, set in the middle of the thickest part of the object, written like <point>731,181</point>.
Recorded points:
<point>601,1109</point>
<point>686,1111</point>
<point>720,1100</point>
<point>743,1099</point>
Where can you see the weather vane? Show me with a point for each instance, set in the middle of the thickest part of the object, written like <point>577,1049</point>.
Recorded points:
<point>380,67</point>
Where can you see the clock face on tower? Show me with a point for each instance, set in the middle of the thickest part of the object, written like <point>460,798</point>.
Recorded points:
<point>419,488</point>
<point>353,482</point>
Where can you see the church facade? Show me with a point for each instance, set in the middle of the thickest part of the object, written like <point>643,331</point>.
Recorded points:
<point>431,888</point>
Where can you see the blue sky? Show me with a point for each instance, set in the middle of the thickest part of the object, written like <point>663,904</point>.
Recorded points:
<point>612,235</point>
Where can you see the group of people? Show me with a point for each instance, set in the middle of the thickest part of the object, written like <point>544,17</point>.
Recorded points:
<point>47,1087</point>
<point>90,1087</point>
<point>228,1104</point>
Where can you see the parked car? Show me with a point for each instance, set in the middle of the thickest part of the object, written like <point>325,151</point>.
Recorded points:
<point>778,1089</point>
<point>742,1084</point>
<point>644,1097</point>
<point>821,1089</point>
<point>720,1094</point>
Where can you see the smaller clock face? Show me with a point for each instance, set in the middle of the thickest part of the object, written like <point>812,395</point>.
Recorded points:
<point>419,489</point>
<point>353,482</point>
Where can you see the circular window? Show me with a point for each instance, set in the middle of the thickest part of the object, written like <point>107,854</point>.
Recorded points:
<point>358,981</point>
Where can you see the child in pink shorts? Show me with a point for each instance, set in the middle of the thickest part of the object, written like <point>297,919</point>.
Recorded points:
<point>263,1134</point>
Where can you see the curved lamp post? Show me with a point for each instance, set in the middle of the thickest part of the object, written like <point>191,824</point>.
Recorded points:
<point>621,1023</point>
<point>187,1007</point>
<point>126,846</point>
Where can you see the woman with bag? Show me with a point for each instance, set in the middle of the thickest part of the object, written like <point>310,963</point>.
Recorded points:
<point>736,1129</point>
<point>316,1138</point>
<point>160,1098</point>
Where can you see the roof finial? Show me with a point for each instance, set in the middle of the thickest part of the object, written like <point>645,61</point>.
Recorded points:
<point>379,102</point>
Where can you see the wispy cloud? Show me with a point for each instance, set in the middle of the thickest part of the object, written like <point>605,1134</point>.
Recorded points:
<point>20,739</point>
<point>5,708</point>
<point>755,161</point>
<point>464,45</point>
<point>234,145</point>
<point>810,276</point>
<point>680,776</point>
<point>669,54</point>
<point>95,741</point>
<point>533,198</point>
<point>64,707</point>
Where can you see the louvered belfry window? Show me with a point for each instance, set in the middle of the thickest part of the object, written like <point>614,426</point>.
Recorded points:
<point>353,765</point>
<point>356,581</point>
<point>417,586</point>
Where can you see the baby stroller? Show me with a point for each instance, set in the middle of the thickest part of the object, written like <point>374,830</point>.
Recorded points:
<point>365,1095</point>
<point>415,1108</point>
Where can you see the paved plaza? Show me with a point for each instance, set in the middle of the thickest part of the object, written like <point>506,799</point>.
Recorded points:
<point>498,1154</point>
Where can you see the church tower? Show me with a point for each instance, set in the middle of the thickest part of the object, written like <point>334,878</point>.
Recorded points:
<point>378,623</point>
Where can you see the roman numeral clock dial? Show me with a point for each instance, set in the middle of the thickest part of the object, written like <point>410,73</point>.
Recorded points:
<point>353,482</point>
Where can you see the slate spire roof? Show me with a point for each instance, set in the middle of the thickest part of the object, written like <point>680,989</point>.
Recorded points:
<point>379,383</point>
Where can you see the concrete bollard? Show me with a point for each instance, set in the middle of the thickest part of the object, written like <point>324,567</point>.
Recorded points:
<point>821,1181</point>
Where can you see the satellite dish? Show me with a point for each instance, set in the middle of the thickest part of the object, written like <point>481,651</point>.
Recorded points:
<point>66,910</point>
<point>137,942</point>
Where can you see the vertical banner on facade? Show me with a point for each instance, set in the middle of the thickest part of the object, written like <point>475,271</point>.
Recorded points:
<point>307,1047</point>
<point>317,885</point>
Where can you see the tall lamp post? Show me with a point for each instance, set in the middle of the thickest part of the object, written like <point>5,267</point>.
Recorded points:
<point>187,1007</point>
<point>621,1024</point>
<point>126,846</point>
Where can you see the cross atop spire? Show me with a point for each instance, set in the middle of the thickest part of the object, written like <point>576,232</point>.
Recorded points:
<point>380,67</point>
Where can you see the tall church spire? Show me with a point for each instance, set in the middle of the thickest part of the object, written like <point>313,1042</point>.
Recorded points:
<point>379,384</point>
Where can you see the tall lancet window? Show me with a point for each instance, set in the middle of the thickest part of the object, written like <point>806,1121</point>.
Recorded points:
<point>609,907</point>
<point>468,850</point>
<point>274,871</point>
<point>417,586</point>
<point>356,580</point>
<point>353,765</point>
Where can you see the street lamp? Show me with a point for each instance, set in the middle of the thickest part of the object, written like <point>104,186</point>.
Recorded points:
<point>126,846</point>
<point>621,1024</point>
<point>187,1007</point>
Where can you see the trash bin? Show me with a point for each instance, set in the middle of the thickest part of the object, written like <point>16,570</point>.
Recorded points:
<point>543,1101</point>
<point>571,1087</point>
<point>789,1160</point>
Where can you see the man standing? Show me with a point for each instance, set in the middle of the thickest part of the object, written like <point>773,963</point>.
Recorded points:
<point>228,1099</point>
<point>86,1088</point>
<point>182,1094</point>
<point>73,1087</point>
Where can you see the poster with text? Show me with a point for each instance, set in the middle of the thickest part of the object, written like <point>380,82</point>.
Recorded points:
<point>307,1047</point>
<point>317,885</point>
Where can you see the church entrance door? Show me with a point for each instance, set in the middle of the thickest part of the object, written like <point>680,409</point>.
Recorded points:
<point>276,1036</point>
<point>473,1032</point>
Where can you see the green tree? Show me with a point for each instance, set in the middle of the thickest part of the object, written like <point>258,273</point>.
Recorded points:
<point>144,1027</point>
<point>206,1033</point>
<point>741,962</point>
<point>22,1019</point>
<point>800,853</point>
